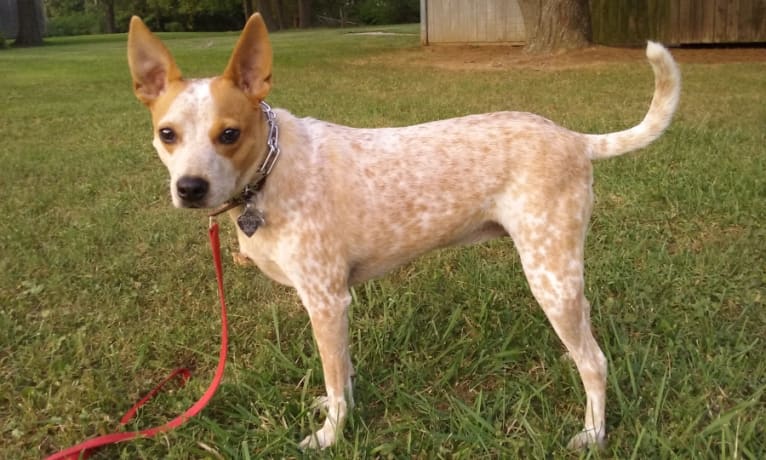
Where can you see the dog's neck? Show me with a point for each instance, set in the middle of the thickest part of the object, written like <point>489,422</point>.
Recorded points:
<point>247,195</point>
<point>272,151</point>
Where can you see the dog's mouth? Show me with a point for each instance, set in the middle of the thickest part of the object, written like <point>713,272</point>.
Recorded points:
<point>182,203</point>
<point>192,205</point>
<point>203,203</point>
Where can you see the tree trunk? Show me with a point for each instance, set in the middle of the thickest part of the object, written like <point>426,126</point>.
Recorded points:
<point>110,25</point>
<point>554,25</point>
<point>281,15</point>
<point>264,7</point>
<point>30,18</point>
<point>247,9</point>
<point>157,16</point>
<point>304,13</point>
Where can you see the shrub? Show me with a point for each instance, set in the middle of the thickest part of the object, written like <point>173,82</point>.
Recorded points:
<point>388,11</point>
<point>173,27</point>
<point>74,24</point>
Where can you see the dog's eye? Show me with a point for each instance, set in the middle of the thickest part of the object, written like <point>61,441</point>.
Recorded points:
<point>229,136</point>
<point>167,135</point>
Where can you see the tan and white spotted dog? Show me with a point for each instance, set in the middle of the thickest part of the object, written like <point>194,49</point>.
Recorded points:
<point>344,205</point>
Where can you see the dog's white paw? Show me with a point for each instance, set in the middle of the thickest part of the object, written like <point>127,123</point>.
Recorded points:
<point>586,439</point>
<point>321,439</point>
<point>335,413</point>
<point>320,404</point>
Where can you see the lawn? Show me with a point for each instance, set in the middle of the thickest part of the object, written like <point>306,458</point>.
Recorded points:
<point>104,287</point>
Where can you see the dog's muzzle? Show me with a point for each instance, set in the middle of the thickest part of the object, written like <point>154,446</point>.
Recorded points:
<point>192,190</point>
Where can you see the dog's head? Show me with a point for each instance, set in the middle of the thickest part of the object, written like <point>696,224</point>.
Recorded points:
<point>210,133</point>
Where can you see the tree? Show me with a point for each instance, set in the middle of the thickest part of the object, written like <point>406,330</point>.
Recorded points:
<point>304,13</point>
<point>556,24</point>
<point>31,23</point>
<point>264,7</point>
<point>109,22</point>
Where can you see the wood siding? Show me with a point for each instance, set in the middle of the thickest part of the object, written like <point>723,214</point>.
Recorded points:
<point>471,21</point>
<point>678,22</point>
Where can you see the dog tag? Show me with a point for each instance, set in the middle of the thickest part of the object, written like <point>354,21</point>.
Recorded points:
<point>250,220</point>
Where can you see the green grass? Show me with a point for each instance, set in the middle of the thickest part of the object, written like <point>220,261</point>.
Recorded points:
<point>104,287</point>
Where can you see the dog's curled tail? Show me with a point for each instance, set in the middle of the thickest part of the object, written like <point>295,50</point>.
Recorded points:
<point>667,91</point>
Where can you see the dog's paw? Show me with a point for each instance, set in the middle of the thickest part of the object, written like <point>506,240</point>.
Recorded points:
<point>586,439</point>
<point>335,417</point>
<point>241,259</point>
<point>320,404</point>
<point>320,440</point>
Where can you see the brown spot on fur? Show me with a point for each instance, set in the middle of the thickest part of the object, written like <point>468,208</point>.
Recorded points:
<point>235,110</point>
<point>161,105</point>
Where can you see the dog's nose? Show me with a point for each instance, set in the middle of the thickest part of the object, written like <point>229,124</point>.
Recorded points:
<point>191,189</point>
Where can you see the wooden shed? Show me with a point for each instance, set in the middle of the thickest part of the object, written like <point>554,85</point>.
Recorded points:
<point>471,21</point>
<point>614,22</point>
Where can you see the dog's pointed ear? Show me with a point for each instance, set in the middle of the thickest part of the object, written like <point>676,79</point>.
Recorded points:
<point>250,64</point>
<point>151,65</point>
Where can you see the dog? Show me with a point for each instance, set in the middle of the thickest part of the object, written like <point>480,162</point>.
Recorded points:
<point>322,207</point>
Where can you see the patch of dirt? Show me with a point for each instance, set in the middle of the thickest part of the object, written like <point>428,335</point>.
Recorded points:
<point>499,57</point>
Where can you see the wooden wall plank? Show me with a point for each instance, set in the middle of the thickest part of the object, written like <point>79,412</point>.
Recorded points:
<point>697,32</point>
<point>759,20</point>
<point>707,24</point>
<point>673,25</point>
<point>472,21</point>
<point>719,24</point>
<point>684,20</point>
<point>741,13</point>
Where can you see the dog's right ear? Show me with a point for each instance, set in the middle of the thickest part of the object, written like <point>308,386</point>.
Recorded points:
<point>151,65</point>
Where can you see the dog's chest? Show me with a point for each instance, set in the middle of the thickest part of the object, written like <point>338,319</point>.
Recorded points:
<point>264,260</point>
<point>264,252</point>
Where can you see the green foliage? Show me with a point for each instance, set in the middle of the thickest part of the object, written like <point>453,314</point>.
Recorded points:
<point>388,12</point>
<point>77,17</point>
<point>73,24</point>
<point>55,8</point>
<point>174,27</point>
<point>74,17</point>
<point>104,287</point>
<point>3,45</point>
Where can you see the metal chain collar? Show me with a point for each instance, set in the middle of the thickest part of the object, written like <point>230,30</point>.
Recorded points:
<point>272,141</point>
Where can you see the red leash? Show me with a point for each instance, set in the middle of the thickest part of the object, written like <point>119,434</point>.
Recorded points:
<point>84,449</point>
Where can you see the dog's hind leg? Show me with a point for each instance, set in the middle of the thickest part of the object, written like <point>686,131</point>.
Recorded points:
<point>570,317</point>
<point>550,242</point>
<point>328,311</point>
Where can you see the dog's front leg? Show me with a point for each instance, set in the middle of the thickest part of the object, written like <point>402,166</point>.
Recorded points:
<point>329,321</point>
